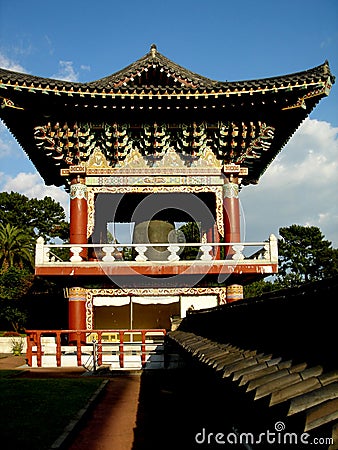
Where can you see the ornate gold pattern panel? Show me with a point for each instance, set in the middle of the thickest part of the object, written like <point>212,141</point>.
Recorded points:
<point>78,190</point>
<point>92,191</point>
<point>144,292</point>
<point>230,190</point>
<point>323,88</point>
<point>76,293</point>
<point>259,144</point>
<point>155,180</point>
<point>7,103</point>
<point>93,144</point>
<point>89,312</point>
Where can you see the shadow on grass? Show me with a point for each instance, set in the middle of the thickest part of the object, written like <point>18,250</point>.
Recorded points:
<point>36,411</point>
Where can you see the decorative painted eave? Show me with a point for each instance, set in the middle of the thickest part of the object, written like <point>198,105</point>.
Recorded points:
<point>159,104</point>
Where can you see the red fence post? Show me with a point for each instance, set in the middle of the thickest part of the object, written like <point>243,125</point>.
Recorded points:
<point>143,348</point>
<point>121,349</point>
<point>29,348</point>
<point>99,348</point>
<point>38,349</point>
<point>78,348</point>
<point>58,348</point>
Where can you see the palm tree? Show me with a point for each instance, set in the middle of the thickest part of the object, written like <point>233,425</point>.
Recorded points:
<point>16,247</point>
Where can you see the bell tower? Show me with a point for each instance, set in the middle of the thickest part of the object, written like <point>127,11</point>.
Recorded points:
<point>165,151</point>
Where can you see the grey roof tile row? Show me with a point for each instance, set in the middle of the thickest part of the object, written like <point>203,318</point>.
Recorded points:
<point>154,72</point>
<point>306,390</point>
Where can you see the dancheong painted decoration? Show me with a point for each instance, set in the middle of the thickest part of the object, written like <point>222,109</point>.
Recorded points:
<point>155,105</point>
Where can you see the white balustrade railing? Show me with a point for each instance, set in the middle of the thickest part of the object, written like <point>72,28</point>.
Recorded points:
<point>136,253</point>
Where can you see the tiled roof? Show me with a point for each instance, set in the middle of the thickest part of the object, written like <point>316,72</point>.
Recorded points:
<point>305,390</point>
<point>281,348</point>
<point>155,92</point>
<point>156,74</point>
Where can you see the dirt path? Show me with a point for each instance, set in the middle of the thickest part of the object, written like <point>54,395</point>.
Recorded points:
<point>10,362</point>
<point>110,426</point>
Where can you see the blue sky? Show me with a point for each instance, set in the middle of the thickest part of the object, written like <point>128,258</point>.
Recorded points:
<point>220,39</point>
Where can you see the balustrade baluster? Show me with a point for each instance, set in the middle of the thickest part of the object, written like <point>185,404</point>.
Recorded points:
<point>238,252</point>
<point>266,251</point>
<point>206,249</point>
<point>46,255</point>
<point>108,250</point>
<point>141,249</point>
<point>173,249</point>
<point>76,254</point>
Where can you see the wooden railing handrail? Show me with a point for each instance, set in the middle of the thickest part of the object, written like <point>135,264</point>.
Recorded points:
<point>34,340</point>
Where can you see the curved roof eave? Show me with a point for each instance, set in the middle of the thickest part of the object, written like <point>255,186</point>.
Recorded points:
<point>154,57</point>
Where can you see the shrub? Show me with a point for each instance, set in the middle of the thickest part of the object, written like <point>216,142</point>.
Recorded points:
<point>17,346</point>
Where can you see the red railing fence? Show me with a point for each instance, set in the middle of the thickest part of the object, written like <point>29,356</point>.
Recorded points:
<point>35,346</point>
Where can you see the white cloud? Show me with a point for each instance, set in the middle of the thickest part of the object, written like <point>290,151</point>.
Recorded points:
<point>326,42</point>
<point>8,63</point>
<point>32,185</point>
<point>300,186</point>
<point>66,72</point>
<point>49,44</point>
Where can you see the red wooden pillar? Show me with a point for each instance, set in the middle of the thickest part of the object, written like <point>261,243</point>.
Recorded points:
<point>217,239</point>
<point>210,234</point>
<point>78,235</point>
<point>77,312</point>
<point>213,236</point>
<point>232,231</point>
<point>78,213</point>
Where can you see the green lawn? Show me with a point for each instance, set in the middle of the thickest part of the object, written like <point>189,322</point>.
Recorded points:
<point>35,411</point>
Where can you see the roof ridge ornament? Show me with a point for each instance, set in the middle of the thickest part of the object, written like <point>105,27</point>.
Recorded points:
<point>153,50</point>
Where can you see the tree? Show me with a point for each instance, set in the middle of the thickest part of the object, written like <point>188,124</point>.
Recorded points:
<point>15,283</point>
<point>331,269</point>
<point>192,235</point>
<point>15,317</point>
<point>304,255</point>
<point>16,247</point>
<point>258,288</point>
<point>44,217</point>
<point>22,220</point>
